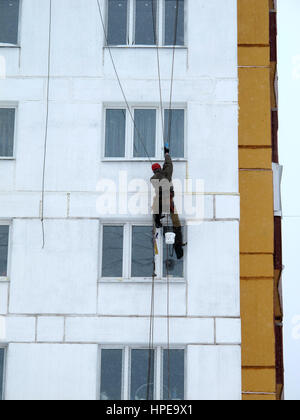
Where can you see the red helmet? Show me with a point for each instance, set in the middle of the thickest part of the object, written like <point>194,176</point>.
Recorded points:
<point>156,166</point>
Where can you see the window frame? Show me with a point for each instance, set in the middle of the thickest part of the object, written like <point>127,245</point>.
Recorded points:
<point>4,347</point>
<point>18,44</point>
<point>7,223</point>
<point>129,132</point>
<point>131,17</point>
<point>7,105</point>
<point>126,368</point>
<point>127,256</point>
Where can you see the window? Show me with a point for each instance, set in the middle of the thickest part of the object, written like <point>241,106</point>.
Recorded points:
<point>145,129</point>
<point>153,22</point>
<point>174,131</point>
<point>9,21</point>
<point>117,12</point>
<point>7,132</point>
<point>125,139</point>
<point>140,374</point>
<point>112,261</point>
<point>111,374</point>
<point>145,22</point>
<point>174,19</point>
<point>173,374</point>
<point>142,251</point>
<point>2,366</point>
<point>127,253</point>
<point>4,236</point>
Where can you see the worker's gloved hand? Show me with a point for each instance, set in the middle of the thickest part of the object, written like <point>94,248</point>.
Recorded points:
<point>167,149</point>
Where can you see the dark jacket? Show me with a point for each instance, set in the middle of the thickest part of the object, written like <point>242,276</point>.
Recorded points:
<point>166,172</point>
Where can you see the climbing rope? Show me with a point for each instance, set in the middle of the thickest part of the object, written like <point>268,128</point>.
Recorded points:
<point>46,126</point>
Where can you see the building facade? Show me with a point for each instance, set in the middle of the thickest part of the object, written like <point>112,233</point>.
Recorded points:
<point>260,176</point>
<point>76,286</point>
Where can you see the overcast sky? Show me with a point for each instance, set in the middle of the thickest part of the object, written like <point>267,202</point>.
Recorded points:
<point>289,153</point>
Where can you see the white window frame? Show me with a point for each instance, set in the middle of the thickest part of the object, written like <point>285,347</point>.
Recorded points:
<point>126,368</point>
<point>7,105</point>
<point>7,223</point>
<point>4,347</point>
<point>160,27</point>
<point>129,132</point>
<point>127,257</point>
<point>17,45</point>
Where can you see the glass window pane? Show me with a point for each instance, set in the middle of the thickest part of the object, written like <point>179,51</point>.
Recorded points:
<point>170,22</point>
<point>111,374</point>
<point>112,254</point>
<point>145,132</point>
<point>174,131</point>
<point>175,266</point>
<point>117,22</point>
<point>142,375</point>
<point>7,131</point>
<point>146,22</point>
<point>173,372</point>
<point>2,352</point>
<point>9,21</point>
<point>115,133</point>
<point>4,232</point>
<point>142,251</point>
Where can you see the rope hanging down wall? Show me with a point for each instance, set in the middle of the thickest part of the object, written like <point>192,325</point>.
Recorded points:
<point>46,124</point>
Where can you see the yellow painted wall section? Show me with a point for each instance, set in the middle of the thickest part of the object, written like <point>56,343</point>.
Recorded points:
<point>257,221</point>
<point>252,18</point>
<point>255,107</point>
<point>257,313</point>
<point>265,377</point>
<point>256,265</point>
<point>255,56</point>
<point>256,99</point>
<point>251,158</point>
<point>255,397</point>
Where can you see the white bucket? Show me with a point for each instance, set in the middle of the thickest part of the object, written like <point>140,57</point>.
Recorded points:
<point>170,238</point>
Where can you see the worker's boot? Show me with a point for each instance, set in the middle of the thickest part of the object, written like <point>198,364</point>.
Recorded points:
<point>157,221</point>
<point>178,242</point>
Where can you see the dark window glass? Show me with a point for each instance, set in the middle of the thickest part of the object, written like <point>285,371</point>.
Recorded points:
<point>145,132</point>
<point>117,22</point>
<point>173,374</point>
<point>2,353</point>
<point>9,21</point>
<point>142,251</point>
<point>111,374</point>
<point>112,255</point>
<point>142,375</point>
<point>174,131</point>
<point>7,131</point>
<point>115,133</point>
<point>174,19</point>
<point>175,266</point>
<point>146,22</point>
<point>4,233</point>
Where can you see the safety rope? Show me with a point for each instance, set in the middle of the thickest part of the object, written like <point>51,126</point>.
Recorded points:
<point>151,328</point>
<point>46,126</point>
<point>169,143</point>
<point>172,71</point>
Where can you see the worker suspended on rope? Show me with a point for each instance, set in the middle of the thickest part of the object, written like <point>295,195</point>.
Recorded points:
<point>164,199</point>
